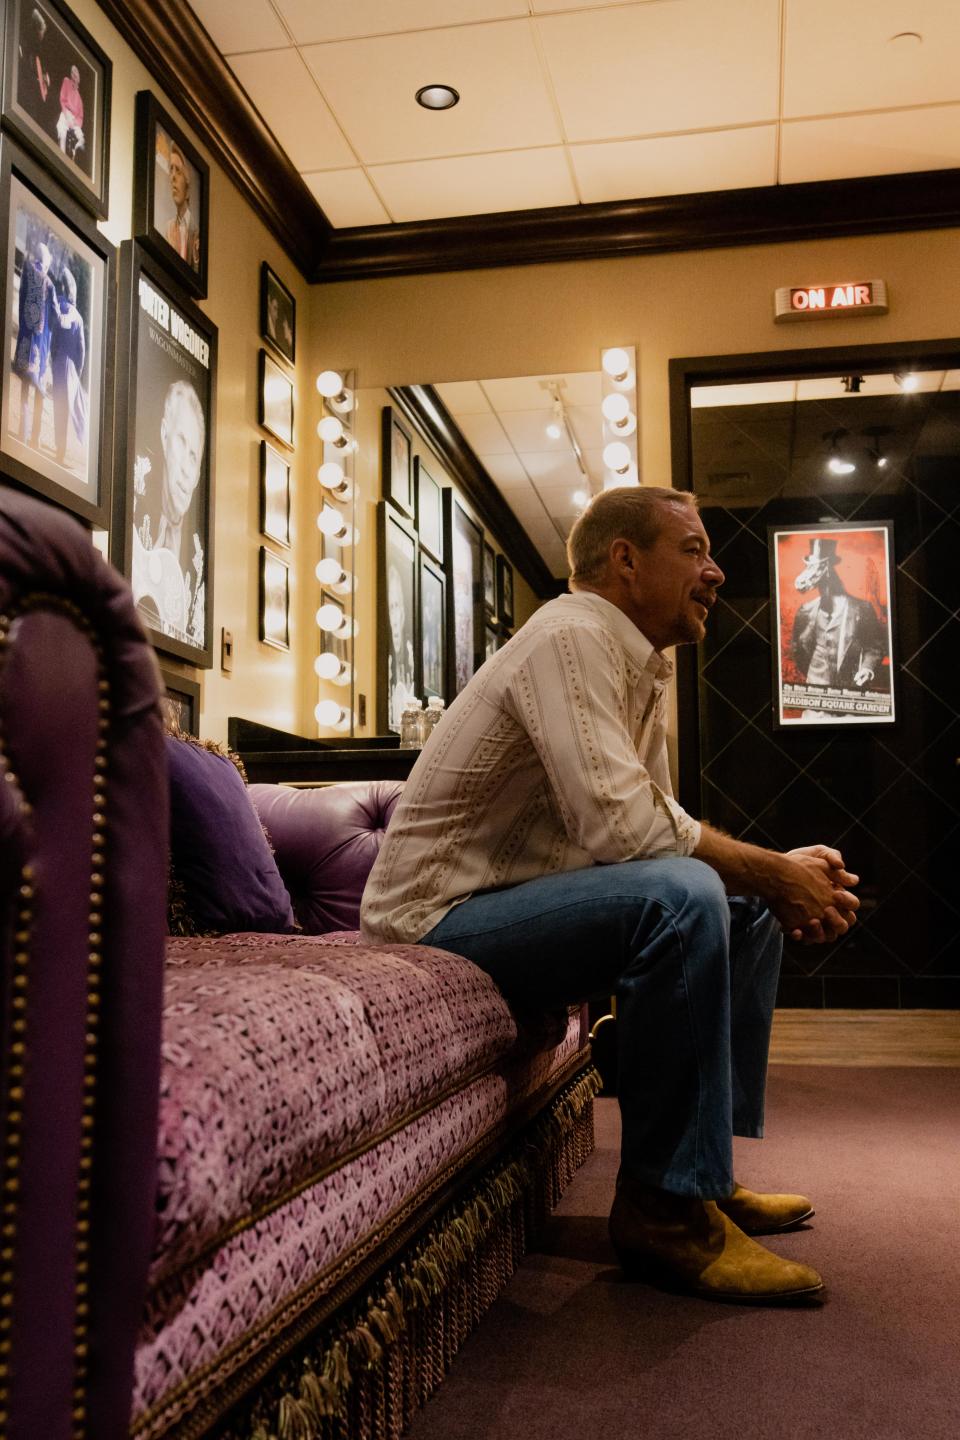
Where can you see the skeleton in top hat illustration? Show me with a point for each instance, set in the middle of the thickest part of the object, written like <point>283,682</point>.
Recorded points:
<point>837,638</point>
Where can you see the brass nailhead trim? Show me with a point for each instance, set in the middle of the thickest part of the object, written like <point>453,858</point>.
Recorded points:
<point>15,1067</point>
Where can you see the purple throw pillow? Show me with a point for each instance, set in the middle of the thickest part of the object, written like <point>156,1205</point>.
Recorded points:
<point>222,865</point>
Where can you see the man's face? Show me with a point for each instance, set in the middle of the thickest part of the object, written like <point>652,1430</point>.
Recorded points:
<point>179,182</point>
<point>182,455</point>
<point>673,585</point>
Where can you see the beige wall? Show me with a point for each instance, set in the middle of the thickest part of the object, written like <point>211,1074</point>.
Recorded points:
<point>272,686</point>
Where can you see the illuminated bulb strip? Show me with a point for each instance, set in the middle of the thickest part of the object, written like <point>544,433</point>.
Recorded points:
<point>333,715</point>
<point>332,574</point>
<point>332,478</point>
<point>330,667</point>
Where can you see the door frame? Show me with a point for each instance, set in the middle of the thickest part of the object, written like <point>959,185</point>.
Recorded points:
<point>687,372</point>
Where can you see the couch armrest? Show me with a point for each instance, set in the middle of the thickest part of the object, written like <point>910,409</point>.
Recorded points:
<point>83,836</point>
<point>326,841</point>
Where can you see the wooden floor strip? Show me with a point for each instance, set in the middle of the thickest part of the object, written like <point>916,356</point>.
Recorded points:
<point>866,1037</point>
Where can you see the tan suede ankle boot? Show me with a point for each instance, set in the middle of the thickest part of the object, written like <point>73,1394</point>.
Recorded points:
<point>689,1245</point>
<point>758,1214</point>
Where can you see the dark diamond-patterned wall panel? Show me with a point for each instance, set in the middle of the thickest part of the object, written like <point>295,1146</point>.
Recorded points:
<point>888,796</point>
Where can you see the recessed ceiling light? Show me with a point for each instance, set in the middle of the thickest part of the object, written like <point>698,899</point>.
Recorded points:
<point>554,431</point>
<point>437,97</point>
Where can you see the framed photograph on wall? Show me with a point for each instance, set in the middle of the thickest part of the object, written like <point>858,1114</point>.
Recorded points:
<point>398,679</point>
<point>274,495</point>
<point>58,286</point>
<point>489,579</point>
<point>466,638</point>
<point>428,510</point>
<point>171,195</point>
<point>832,619</point>
<point>278,314</point>
<point>504,590</point>
<point>275,400</point>
<point>396,462</point>
<point>162,534</point>
<point>433,629</point>
<point>274,600</point>
<point>180,702</point>
<point>56,97</point>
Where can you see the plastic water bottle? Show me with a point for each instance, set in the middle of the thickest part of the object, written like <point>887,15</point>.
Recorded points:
<point>410,726</point>
<point>430,717</point>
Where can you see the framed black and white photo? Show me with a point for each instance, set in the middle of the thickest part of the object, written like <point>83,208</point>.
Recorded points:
<point>180,703</point>
<point>278,314</point>
<point>275,400</point>
<point>397,462</point>
<point>58,285</point>
<point>56,96</point>
<point>274,600</point>
<point>489,579</point>
<point>398,679</point>
<point>466,639</point>
<point>162,532</point>
<point>428,511</point>
<point>433,629</point>
<point>171,195</point>
<point>504,590</point>
<point>491,640</point>
<point>832,618</point>
<point>274,494</point>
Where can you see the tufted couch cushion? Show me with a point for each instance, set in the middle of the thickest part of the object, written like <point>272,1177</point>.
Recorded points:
<point>326,841</point>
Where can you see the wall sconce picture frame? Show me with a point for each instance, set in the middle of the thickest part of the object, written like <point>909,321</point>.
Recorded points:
<point>274,600</point>
<point>275,399</point>
<point>428,510</point>
<point>504,590</point>
<point>433,628</point>
<point>466,638</point>
<point>489,579</point>
<point>171,196</point>
<point>274,495</point>
<point>56,403</point>
<point>396,462</point>
<point>832,622</point>
<point>57,85</point>
<point>167,350</point>
<point>278,314</point>
<point>398,677</point>
<point>180,703</point>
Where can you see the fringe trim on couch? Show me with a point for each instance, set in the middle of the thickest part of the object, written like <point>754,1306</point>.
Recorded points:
<point>373,1366</point>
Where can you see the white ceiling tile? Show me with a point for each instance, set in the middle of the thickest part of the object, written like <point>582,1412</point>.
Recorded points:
<point>280,86</point>
<point>583,388</point>
<point>676,164</point>
<point>484,434</point>
<point>593,459</point>
<point>310,22</point>
<point>842,57</point>
<point>654,68</point>
<point>232,27</point>
<point>547,468</point>
<point>475,184</point>
<point>463,397</point>
<point>523,392</point>
<point>346,197</point>
<point>527,430</point>
<point>371,84</point>
<point>528,507</point>
<point>850,145</point>
<point>507,471</point>
<point>551,7</point>
<point>587,422</point>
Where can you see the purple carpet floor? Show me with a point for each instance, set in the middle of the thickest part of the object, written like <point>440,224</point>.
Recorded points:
<point>572,1350</point>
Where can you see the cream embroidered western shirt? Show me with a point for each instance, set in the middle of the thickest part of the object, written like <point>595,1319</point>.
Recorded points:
<point>553,758</point>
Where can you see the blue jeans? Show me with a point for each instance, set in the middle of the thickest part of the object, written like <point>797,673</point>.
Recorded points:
<point>695,975</point>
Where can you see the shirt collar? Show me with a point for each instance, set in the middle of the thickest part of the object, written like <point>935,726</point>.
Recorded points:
<point>634,641</point>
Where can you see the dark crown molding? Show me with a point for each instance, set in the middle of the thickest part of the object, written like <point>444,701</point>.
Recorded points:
<point>438,427</point>
<point>172,43</point>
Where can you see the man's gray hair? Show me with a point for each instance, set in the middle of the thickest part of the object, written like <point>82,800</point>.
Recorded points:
<point>627,512</point>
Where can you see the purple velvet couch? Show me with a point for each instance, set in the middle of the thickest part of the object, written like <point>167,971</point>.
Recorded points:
<point>254,1186</point>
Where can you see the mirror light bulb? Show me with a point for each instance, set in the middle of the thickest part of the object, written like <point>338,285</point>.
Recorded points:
<point>616,363</point>
<point>328,712</point>
<point>615,408</point>
<point>329,383</point>
<point>330,572</point>
<point>617,456</point>
<point>331,522</point>
<point>331,617</point>
<point>330,429</point>
<point>332,478</point>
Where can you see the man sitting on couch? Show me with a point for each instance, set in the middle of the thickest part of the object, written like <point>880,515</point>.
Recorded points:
<point>538,836</point>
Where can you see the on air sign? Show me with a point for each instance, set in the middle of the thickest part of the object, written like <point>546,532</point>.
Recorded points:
<point>816,302</point>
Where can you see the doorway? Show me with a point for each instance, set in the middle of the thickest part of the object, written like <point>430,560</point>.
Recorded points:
<point>837,443</point>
